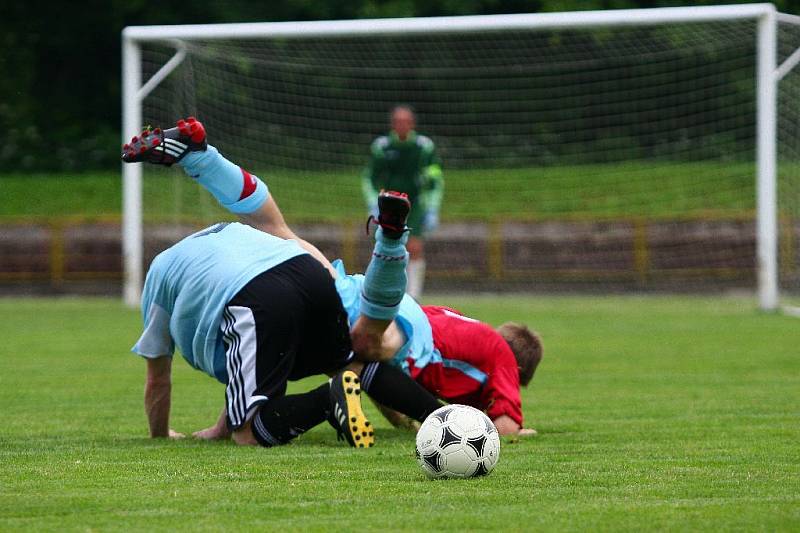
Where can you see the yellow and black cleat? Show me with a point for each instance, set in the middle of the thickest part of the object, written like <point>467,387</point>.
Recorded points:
<point>346,415</point>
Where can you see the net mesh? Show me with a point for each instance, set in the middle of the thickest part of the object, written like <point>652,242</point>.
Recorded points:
<point>599,158</point>
<point>788,168</point>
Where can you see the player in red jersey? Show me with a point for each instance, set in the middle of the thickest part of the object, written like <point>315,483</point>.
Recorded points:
<point>457,358</point>
<point>480,366</point>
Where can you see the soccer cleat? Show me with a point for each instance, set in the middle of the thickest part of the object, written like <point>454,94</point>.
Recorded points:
<point>165,147</point>
<point>346,415</point>
<point>393,208</point>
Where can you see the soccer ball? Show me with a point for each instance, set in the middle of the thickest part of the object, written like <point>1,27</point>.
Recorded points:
<point>457,441</point>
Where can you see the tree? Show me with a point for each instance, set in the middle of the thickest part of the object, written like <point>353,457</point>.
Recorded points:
<point>61,88</point>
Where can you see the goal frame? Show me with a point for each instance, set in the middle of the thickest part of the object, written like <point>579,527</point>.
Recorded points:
<point>768,75</point>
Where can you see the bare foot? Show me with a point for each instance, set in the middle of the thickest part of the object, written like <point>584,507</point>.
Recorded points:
<point>212,433</point>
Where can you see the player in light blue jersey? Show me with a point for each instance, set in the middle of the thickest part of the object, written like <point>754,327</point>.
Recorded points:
<point>189,284</point>
<point>257,308</point>
<point>409,336</point>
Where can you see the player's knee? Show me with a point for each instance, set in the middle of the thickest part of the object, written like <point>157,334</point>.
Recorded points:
<point>415,247</point>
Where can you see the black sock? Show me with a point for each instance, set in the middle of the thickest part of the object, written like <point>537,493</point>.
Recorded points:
<point>391,387</point>
<point>280,420</point>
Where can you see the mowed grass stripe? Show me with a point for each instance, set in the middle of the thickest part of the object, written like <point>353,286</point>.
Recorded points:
<point>650,189</point>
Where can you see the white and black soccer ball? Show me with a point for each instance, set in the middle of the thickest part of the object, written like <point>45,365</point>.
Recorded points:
<point>457,441</point>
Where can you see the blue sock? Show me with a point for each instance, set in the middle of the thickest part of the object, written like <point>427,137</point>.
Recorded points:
<point>385,278</point>
<point>235,189</point>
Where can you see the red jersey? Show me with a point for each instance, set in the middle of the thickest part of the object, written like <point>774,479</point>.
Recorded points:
<point>477,365</point>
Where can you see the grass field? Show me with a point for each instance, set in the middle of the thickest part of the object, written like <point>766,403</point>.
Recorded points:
<point>620,190</point>
<point>653,413</point>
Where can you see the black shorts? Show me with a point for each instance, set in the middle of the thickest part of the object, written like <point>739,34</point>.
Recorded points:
<point>285,324</point>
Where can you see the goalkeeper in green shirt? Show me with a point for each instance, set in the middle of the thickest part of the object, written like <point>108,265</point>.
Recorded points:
<point>406,161</point>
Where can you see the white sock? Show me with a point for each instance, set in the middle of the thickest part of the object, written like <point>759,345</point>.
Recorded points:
<point>416,277</point>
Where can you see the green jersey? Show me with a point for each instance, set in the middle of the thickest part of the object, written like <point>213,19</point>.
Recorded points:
<point>409,166</point>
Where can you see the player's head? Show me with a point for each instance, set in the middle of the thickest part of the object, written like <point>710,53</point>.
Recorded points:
<point>527,348</point>
<point>403,120</point>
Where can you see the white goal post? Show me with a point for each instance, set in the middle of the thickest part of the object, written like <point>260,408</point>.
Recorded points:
<point>768,75</point>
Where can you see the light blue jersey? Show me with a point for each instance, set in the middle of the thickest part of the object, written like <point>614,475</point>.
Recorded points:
<point>189,284</point>
<point>410,318</point>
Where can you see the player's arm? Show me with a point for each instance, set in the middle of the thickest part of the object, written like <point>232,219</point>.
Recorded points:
<point>368,191</point>
<point>432,190</point>
<point>156,346</point>
<point>158,396</point>
<point>371,176</point>
<point>488,352</point>
<point>506,425</point>
<point>501,394</point>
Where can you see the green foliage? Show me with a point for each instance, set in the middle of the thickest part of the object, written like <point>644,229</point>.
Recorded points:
<point>61,64</point>
<point>653,413</point>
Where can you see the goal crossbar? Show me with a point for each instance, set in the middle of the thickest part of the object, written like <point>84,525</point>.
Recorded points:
<point>768,76</point>
<point>527,21</point>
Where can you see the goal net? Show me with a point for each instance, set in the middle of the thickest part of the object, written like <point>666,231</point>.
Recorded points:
<point>593,157</point>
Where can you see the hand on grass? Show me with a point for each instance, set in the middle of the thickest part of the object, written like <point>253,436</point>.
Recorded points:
<point>175,435</point>
<point>527,432</point>
<point>505,425</point>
